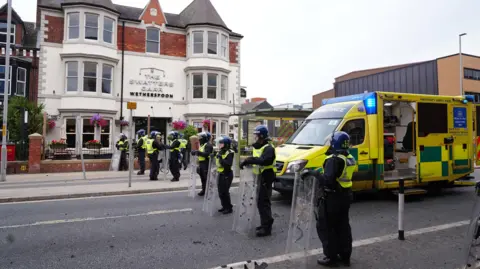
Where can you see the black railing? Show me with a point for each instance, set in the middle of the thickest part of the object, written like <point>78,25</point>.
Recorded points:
<point>21,150</point>
<point>63,153</point>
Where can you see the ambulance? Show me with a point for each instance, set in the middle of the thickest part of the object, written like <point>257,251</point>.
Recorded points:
<point>426,140</point>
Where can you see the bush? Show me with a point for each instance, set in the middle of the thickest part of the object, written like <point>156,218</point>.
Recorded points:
<point>190,130</point>
<point>14,121</point>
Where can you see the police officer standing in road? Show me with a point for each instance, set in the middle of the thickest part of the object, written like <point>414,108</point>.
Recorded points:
<point>333,225</point>
<point>224,161</point>
<point>183,150</point>
<point>141,147</point>
<point>153,148</point>
<point>203,153</point>
<point>175,155</point>
<point>264,156</point>
<point>122,145</point>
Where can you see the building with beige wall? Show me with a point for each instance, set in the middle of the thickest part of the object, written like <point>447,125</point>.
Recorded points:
<point>439,76</point>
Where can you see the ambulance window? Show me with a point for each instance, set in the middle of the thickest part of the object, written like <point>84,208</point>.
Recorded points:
<point>432,119</point>
<point>477,123</point>
<point>356,130</point>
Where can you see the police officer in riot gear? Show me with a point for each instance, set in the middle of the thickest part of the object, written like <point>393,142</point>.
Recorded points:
<point>203,153</point>
<point>141,148</point>
<point>183,150</point>
<point>224,161</point>
<point>122,145</point>
<point>264,156</point>
<point>175,155</point>
<point>153,149</point>
<point>333,225</point>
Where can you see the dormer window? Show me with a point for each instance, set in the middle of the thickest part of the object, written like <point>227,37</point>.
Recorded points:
<point>153,40</point>
<point>73,25</point>
<point>3,33</point>
<point>91,26</point>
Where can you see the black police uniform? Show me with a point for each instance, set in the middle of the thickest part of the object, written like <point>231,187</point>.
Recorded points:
<point>333,224</point>
<point>225,178</point>
<point>141,154</point>
<point>202,169</point>
<point>267,178</point>
<point>122,145</point>
<point>174,164</point>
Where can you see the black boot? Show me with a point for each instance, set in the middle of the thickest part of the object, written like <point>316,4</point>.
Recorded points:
<point>327,262</point>
<point>175,180</point>
<point>345,261</point>
<point>221,210</point>
<point>227,211</point>
<point>262,232</point>
<point>201,193</point>
<point>140,173</point>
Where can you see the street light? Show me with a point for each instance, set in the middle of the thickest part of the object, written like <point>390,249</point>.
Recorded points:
<point>461,61</point>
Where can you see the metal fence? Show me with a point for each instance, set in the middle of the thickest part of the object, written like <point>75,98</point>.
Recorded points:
<point>59,153</point>
<point>21,150</point>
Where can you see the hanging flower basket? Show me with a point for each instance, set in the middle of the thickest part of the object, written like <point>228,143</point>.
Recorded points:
<point>93,144</point>
<point>51,124</point>
<point>58,144</point>
<point>179,125</point>
<point>124,123</point>
<point>98,121</point>
<point>206,124</point>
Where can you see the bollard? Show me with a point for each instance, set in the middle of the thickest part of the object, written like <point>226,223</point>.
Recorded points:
<point>401,203</point>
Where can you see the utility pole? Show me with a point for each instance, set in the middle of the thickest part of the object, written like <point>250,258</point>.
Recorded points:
<point>461,61</point>
<point>5,93</point>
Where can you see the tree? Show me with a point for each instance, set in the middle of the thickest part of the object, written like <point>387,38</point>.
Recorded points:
<point>190,130</point>
<point>15,111</point>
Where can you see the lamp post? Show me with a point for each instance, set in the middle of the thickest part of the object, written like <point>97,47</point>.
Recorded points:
<point>461,61</point>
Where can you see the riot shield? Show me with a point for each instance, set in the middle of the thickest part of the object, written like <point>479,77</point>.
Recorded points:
<point>211,190</point>
<point>193,177</point>
<point>472,255</point>
<point>246,207</point>
<point>115,160</point>
<point>302,215</point>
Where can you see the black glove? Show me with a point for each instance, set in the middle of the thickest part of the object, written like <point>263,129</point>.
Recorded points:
<point>242,164</point>
<point>194,152</point>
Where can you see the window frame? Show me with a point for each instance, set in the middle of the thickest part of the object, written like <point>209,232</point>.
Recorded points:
<point>67,76</point>
<point>202,33</point>
<point>224,47</point>
<point>85,27</point>
<point>209,86</point>
<point>351,137</point>
<point>5,80</point>
<point>13,33</point>
<point>69,26</point>
<point>24,82</point>
<point>475,73</point>
<point>74,133</point>
<point>109,133</point>
<point>110,79</point>
<point>84,76</point>
<point>193,86</point>
<point>154,41</point>
<point>224,90</point>
<point>112,32</point>
<point>278,123</point>
<point>209,43</point>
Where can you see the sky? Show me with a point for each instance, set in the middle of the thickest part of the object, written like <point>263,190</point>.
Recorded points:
<point>294,49</point>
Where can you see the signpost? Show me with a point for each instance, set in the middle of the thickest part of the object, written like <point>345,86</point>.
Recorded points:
<point>131,106</point>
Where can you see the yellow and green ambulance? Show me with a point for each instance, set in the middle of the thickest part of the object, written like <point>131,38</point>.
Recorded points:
<point>425,139</point>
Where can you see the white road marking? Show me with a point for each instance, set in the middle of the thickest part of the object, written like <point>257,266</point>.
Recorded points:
<point>358,243</point>
<point>51,222</point>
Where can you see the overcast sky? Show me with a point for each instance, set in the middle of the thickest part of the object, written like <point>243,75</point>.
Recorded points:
<point>294,49</point>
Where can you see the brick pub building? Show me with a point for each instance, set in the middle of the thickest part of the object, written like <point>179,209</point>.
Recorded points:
<point>95,56</point>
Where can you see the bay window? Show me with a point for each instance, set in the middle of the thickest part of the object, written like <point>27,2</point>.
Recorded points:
<point>223,88</point>
<point>3,33</point>
<point>89,77</point>
<point>197,86</point>
<point>153,40</point>
<point>21,81</point>
<point>105,134</point>
<point>2,80</point>
<point>108,26</point>
<point>73,20</point>
<point>212,42</point>
<point>198,42</point>
<point>212,86</point>
<point>107,76</point>
<point>91,26</point>
<point>88,131</point>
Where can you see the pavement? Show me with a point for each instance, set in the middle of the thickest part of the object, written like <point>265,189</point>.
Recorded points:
<point>29,187</point>
<point>168,230</point>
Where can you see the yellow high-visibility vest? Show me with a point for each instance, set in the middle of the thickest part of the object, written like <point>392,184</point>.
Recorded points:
<point>345,180</point>
<point>220,168</point>
<point>258,152</point>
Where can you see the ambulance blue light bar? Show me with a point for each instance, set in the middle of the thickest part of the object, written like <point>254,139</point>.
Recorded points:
<point>369,101</point>
<point>470,98</point>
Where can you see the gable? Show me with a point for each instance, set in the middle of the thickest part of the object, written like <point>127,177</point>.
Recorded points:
<point>153,14</point>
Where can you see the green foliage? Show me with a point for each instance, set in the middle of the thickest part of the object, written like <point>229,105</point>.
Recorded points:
<point>242,144</point>
<point>190,130</point>
<point>14,121</point>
